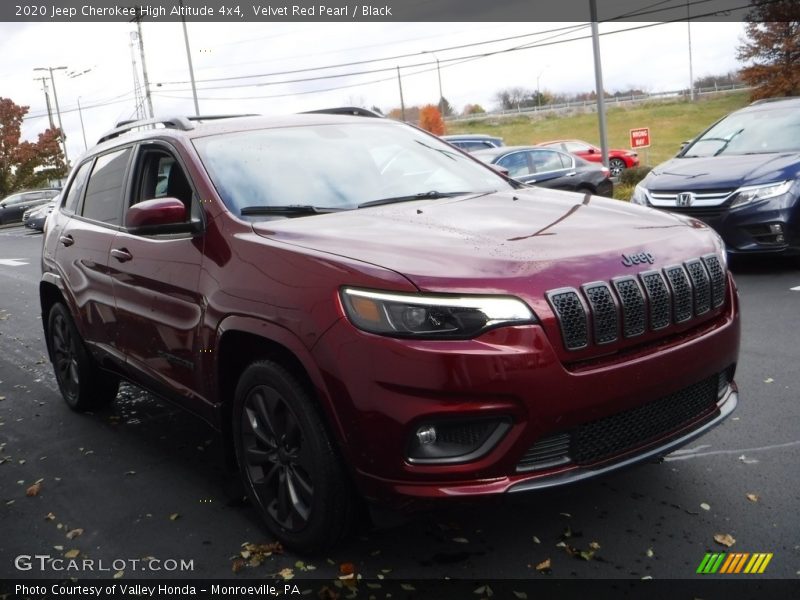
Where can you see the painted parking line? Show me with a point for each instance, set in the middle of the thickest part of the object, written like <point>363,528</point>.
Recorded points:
<point>795,289</point>
<point>12,262</point>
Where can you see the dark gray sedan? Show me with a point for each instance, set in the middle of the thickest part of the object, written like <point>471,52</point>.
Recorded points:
<point>550,168</point>
<point>14,206</point>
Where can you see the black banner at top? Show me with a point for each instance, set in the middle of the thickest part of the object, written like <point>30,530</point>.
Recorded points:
<point>249,11</point>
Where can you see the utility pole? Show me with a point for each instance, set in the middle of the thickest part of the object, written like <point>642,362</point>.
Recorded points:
<point>47,101</point>
<point>83,129</point>
<point>137,88</point>
<point>147,97</point>
<point>439,75</point>
<point>58,110</point>
<point>189,58</point>
<point>402,103</point>
<point>598,78</point>
<point>689,31</point>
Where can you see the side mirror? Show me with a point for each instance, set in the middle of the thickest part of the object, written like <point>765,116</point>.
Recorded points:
<point>501,170</point>
<point>591,151</point>
<point>162,215</point>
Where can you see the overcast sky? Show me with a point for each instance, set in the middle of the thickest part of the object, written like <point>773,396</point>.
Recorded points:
<point>652,58</point>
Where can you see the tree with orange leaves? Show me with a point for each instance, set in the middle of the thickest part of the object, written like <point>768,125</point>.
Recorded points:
<point>26,164</point>
<point>430,119</point>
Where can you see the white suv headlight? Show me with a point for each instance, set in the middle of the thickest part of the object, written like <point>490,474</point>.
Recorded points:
<point>751,193</point>
<point>431,316</point>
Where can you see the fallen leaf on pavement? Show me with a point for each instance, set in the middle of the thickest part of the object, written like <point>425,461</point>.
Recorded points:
<point>347,571</point>
<point>33,490</point>
<point>461,540</point>
<point>237,565</point>
<point>594,546</point>
<point>705,506</point>
<point>119,574</point>
<point>536,540</point>
<point>725,539</point>
<point>72,553</point>
<point>520,595</point>
<point>544,565</point>
<point>74,533</point>
<point>752,497</point>
<point>174,517</point>
<point>286,573</point>
<point>649,553</point>
<point>769,380</point>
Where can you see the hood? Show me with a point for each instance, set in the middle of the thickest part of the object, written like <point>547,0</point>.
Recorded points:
<point>498,242</point>
<point>722,172</point>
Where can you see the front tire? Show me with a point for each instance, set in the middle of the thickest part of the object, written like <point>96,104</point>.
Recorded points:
<point>84,386</point>
<point>288,464</point>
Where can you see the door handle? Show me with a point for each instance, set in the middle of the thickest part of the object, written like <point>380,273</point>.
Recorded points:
<point>121,254</point>
<point>571,174</point>
<point>66,240</point>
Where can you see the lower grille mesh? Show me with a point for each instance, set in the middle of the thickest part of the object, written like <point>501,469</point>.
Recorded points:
<point>605,438</point>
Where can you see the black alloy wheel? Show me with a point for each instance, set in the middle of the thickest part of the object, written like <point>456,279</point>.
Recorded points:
<point>277,458</point>
<point>83,384</point>
<point>290,468</point>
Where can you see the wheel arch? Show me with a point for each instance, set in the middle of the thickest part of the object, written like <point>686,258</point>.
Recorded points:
<point>243,340</point>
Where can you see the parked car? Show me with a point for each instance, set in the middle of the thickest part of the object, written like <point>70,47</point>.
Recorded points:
<point>741,176</point>
<point>550,168</point>
<point>363,310</point>
<point>470,142</point>
<point>13,207</point>
<point>34,218</point>
<point>618,160</point>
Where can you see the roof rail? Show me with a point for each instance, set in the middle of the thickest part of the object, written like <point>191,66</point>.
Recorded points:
<point>345,110</point>
<point>180,123</point>
<point>778,99</point>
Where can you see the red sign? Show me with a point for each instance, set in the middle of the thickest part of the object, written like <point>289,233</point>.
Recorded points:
<point>640,138</point>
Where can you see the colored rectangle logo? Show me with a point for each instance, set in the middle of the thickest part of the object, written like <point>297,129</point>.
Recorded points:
<point>735,563</point>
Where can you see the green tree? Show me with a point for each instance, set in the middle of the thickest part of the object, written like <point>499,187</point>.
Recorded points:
<point>26,164</point>
<point>772,48</point>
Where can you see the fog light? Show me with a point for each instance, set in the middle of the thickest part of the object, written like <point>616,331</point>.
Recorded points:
<point>776,228</point>
<point>426,435</point>
<point>455,440</point>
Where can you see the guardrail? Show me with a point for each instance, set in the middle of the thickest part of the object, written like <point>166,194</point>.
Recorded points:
<point>609,100</point>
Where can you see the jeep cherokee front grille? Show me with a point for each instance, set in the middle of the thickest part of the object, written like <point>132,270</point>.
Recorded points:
<point>614,435</point>
<point>599,313</point>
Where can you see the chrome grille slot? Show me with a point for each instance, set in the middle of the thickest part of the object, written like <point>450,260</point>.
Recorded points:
<point>659,298</point>
<point>681,293</point>
<point>632,303</point>
<point>701,283</point>
<point>717,274</point>
<point>604,312</point>
<point>547,452</point>
<point>572,317</point>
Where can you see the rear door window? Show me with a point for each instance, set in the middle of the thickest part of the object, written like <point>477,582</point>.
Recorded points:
<point>105,190</point>
<point>76,187</point>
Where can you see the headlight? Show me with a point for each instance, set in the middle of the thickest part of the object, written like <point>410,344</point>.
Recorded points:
<point>640,195</point>
<point>431,316</point>
<point>752,193</point>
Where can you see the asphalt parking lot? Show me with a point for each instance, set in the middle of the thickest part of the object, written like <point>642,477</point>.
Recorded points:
<point>143,479</point>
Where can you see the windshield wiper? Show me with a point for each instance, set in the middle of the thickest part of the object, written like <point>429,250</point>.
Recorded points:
<point>432,195</point>
<point>290,209</point>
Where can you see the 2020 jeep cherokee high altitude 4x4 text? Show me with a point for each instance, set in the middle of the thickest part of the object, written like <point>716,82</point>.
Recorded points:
<point>365,310</point>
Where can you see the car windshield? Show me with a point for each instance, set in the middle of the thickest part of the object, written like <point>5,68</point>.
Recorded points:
<point>336,167</point>
<point>770,130</point>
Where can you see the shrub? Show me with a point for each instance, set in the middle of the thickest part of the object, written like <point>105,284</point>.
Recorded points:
<point>633,176</point>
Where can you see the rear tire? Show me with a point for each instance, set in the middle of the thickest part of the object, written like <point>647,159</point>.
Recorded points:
<point>288,464</point>
<point>616,166</point>
<point>84,386</point>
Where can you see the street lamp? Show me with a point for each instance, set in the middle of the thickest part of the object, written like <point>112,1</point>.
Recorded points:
<point>439,75</point>
<point>73,75</point>
<point>58,111</point>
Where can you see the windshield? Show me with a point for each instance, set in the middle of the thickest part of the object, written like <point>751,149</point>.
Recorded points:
<point>337,167</point>
<point>753,132</point>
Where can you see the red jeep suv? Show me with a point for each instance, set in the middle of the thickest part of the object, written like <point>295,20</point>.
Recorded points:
<point>365,311</point>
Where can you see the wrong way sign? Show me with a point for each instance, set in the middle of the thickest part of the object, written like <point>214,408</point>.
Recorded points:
<point>640,138</point>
